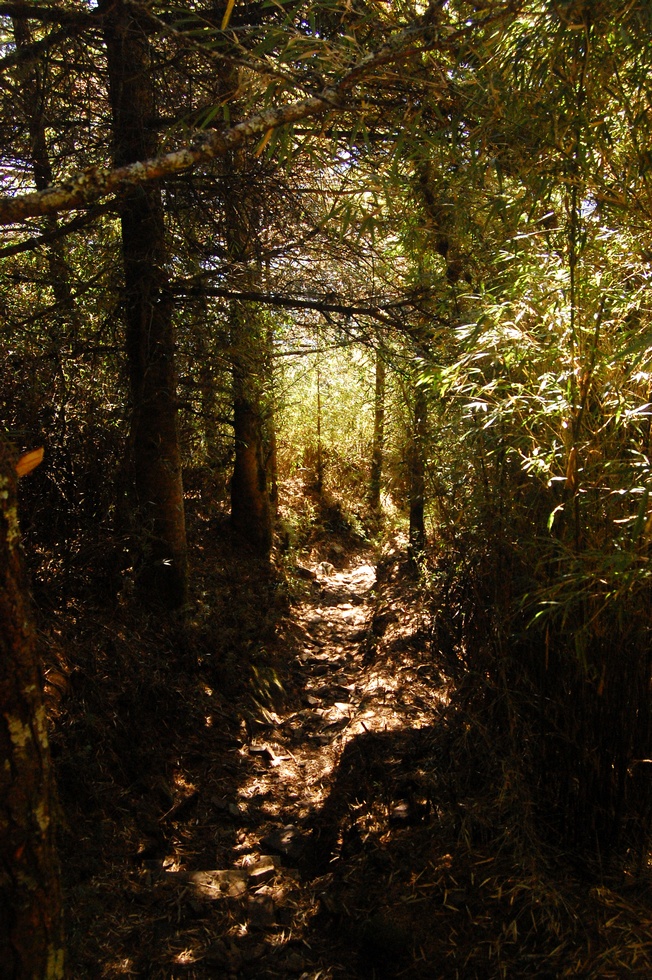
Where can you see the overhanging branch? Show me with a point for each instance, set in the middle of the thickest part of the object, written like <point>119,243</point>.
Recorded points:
<point>76,224</point>
<point>46,15</point>
<point>90,186</point>
<point>378,311</point>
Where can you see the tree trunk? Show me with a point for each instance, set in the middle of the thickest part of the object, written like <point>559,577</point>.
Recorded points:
<point>319,469</point>
<point>33,98</point>
<point>272,465</point>
<point>63,327</point>
<point>208,396</point>
<point>271,445</point>
<point>375,481</point>
<point>31,924</point>
<point>251,513</point>
<point>251,510</point>
<point>154,439</point>
<point>417,473</point>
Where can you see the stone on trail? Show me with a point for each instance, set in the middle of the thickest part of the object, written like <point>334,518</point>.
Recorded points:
<point>286,841</point>
<point>261,908</point>
<point>264,869</point>
<point>213,885</point>
<point>304,572</point>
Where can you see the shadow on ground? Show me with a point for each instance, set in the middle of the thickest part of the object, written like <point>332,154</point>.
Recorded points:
<point>283,790</point>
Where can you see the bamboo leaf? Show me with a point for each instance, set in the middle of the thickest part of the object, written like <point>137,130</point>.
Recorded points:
<point>227,14</point>
<point>263,143</point>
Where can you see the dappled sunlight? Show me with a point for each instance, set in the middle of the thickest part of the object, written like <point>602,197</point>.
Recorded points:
<point>187,957</point>
<point>123,967</point>
<point>236,841</point>
<point>347,693</point>
<point>329,325</point>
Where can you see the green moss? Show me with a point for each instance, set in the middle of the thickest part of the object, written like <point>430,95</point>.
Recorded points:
<point>54,969</point>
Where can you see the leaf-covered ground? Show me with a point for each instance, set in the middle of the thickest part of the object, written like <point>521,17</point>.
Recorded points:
<point>286,787</point>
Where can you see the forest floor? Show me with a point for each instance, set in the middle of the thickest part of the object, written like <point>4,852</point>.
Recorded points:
<point>240,856</point>
<point>298,811</point>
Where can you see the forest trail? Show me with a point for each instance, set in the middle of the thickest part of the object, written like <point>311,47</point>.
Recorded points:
<point>310,791</point>
<point>295,798</point>
<point>265,837</point>
<point>348,828</point>
<point>321,779</point>
<point>345,692</point>
<point>329,626</point>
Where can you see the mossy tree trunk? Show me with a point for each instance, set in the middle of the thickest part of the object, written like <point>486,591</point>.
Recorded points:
<point>31,924</point>
<point>155,451</point>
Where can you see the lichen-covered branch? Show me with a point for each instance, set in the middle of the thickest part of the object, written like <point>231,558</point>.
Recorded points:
<point>89,186</point>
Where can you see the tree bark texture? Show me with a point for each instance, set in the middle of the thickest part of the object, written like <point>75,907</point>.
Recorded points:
<point>31,924</point>
<point>156,456</point>
<point>418,473</point>
<point>251,512</point>
<point>375,481</point>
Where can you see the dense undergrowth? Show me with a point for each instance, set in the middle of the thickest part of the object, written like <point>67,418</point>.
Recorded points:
<point>524,847</point>
<point>456,853</point>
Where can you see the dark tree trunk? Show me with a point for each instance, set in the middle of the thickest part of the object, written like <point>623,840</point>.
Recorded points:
<point>417,473</point>
<point>63,327</point>
<point>251,510</point>
<point>272,465</point>
<point>31,925</point>
<point>33,99</point>
<point>207,390</point>
<point>375,482</point>
<point>319,469</point>
<point>156,457</point>
<point>271,446</point>
<point>251,513</point>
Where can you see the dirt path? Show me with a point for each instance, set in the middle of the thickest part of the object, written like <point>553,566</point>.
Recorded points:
<point>264,852</point>
<point>342,694</point>
<point>306,795</point>
<point>365,829</point>
<point>329,627</point>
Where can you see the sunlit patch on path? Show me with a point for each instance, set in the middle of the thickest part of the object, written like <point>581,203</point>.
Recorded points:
<point>279,807</point>
<point>347,694</point>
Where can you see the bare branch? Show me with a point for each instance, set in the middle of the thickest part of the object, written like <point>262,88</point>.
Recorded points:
<point>46,15</point>
<point>378,310</point>
<point>31,244</point>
